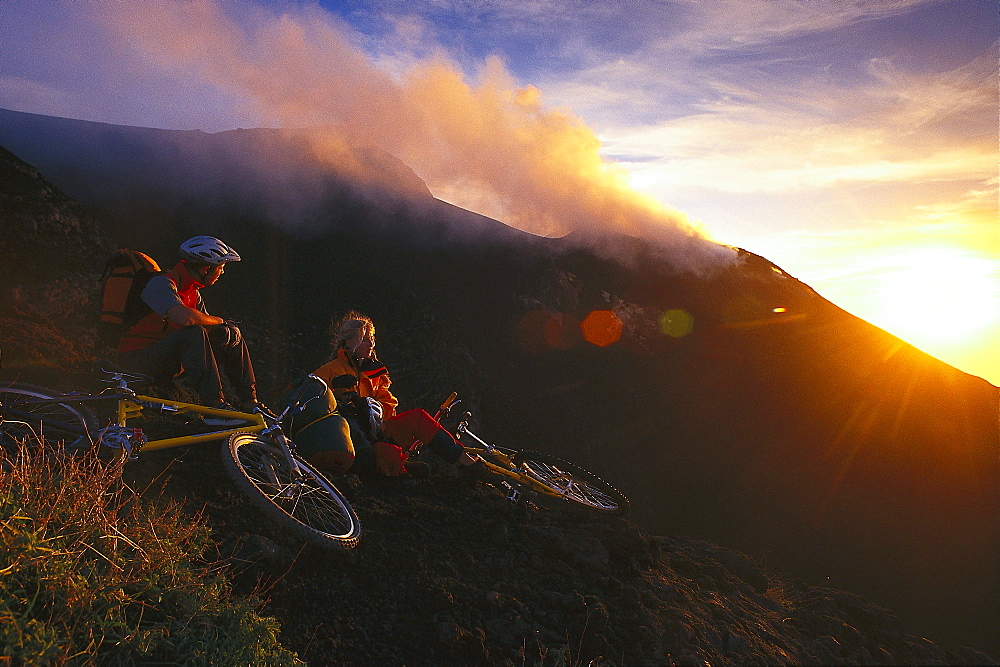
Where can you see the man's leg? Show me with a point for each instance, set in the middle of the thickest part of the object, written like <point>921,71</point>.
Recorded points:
<point>188,347</point>
<point>158,360</point>
<point>235,361</point>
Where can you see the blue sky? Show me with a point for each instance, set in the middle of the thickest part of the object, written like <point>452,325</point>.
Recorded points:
<point>853,142</point>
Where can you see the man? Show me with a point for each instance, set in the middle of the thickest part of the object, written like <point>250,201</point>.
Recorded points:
<point>179,333</point>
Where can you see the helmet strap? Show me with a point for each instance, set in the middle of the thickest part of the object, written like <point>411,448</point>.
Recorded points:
<point>196,270</point>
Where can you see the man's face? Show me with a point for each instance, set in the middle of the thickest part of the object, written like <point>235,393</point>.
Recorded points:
<point>213,274</point>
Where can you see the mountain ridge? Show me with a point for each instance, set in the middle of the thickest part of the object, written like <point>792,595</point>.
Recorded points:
<point>807,437</point>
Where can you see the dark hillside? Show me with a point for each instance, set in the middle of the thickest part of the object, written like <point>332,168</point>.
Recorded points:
<point>50,250</point>
<point>450,573</point>
<point>762,418</point>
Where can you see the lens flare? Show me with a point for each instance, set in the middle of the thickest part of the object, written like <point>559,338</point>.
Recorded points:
<point>601,327</point>
<point>541,330</point>
<point>676,323</point>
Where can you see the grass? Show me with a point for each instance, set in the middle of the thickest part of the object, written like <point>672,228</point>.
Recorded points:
<point>90,572</point>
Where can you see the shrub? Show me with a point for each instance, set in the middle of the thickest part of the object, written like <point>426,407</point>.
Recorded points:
<point>89,572</point>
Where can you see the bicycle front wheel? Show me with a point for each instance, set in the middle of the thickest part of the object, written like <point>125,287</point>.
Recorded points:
<point>27,413</point>
<point>303,503</point>
<point>565,482</point>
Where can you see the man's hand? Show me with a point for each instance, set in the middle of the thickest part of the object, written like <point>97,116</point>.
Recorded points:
<point>183,316</point>
<point>227,333</point>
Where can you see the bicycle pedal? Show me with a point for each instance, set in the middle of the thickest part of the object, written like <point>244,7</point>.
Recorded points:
<point>513,493</point>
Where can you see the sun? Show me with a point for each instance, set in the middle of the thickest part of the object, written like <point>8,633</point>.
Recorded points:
<point>938,295</point>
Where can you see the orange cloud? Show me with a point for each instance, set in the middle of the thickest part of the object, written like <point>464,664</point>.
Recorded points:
<point>486,145</point>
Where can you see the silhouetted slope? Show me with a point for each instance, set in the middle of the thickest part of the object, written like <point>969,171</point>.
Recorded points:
<point>804,436</point>
<point>139,172</point>
<point>43,224</point>
<point>50,260</point>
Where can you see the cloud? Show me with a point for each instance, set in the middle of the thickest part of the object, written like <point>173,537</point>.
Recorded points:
<point>597,32</point>
<point>915,101</point>
<point>480,141</point>
<point>712,103</point>
<point>970,218</point>
<point>781,137</point>
<point>737,24</point>
<point>34,96</point>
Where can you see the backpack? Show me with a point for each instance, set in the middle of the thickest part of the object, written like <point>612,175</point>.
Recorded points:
<point>125,276</point>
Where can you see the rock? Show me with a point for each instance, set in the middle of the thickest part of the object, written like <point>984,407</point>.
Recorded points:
<point>735,644</point>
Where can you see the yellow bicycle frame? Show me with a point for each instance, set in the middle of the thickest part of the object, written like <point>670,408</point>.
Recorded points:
<point>128,409</point>
<point>505,468</point>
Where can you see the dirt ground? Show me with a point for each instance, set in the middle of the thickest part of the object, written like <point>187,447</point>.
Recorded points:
<point>448,571</point>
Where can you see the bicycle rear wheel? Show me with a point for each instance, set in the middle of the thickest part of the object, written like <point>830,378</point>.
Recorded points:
<point>24,418</point>
<point>305,504</point>
<point>570,483</point>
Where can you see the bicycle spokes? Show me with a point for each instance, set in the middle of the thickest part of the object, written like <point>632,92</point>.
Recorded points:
<point>567,485</point>
<point>296,493</point>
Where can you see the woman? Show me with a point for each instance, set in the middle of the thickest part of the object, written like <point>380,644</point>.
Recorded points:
<point>354,342</point>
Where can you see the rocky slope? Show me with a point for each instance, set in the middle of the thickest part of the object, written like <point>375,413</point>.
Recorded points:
<point>450,572</point>
<point>811,440</point>
<point>50,247</point>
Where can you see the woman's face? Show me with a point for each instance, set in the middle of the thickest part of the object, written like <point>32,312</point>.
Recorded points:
<point>361,343</point>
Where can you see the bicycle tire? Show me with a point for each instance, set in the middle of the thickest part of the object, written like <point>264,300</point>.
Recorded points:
<point>74,426</point>
<point>307,506</point>
<point>571,483</point>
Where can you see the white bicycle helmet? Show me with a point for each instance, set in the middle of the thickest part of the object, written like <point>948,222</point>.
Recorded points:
<point>208,250</point>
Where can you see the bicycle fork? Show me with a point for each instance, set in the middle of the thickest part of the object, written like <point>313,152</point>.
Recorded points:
<point>286,451</point>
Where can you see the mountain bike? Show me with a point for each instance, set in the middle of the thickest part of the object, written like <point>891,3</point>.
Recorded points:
<point>541,477</point>
<point>257,455</point>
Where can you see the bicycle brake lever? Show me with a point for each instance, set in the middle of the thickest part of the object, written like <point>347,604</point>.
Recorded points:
<point>261,410</point>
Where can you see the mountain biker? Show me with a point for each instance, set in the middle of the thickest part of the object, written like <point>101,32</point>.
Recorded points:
<point>178,333</point>
<point>354,343</point>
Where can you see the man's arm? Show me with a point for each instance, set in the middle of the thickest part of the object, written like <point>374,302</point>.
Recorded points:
<point>183,316</point>
<point>160,294</point>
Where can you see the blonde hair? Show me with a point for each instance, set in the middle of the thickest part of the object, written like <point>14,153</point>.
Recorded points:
<point>347,326</point>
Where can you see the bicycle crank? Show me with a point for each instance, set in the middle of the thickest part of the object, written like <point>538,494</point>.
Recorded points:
<point>130,440</point>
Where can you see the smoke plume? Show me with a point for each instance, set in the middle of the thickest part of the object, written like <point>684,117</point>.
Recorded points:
<point>485,145</point>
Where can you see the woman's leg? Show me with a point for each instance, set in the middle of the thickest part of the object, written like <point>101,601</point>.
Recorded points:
<point>412,425</point>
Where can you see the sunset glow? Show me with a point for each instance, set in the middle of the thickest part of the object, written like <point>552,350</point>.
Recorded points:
<point>941,293</point>
<point>936,295</point>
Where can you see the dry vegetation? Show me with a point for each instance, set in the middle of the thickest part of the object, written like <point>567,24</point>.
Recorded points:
<point>89,572</point>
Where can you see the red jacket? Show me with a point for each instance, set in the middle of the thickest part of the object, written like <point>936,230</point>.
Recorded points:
<point>154,326</point>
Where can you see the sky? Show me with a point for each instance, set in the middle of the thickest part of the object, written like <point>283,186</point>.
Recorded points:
<point>852,142</point>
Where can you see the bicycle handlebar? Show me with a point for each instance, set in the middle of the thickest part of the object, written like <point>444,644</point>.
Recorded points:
<point>446,407</point>
<point>117,376</point>
<point>449,401</point>
<point>296,406</point>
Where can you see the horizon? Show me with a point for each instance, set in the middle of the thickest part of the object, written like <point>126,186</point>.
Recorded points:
<point>853,144</point>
